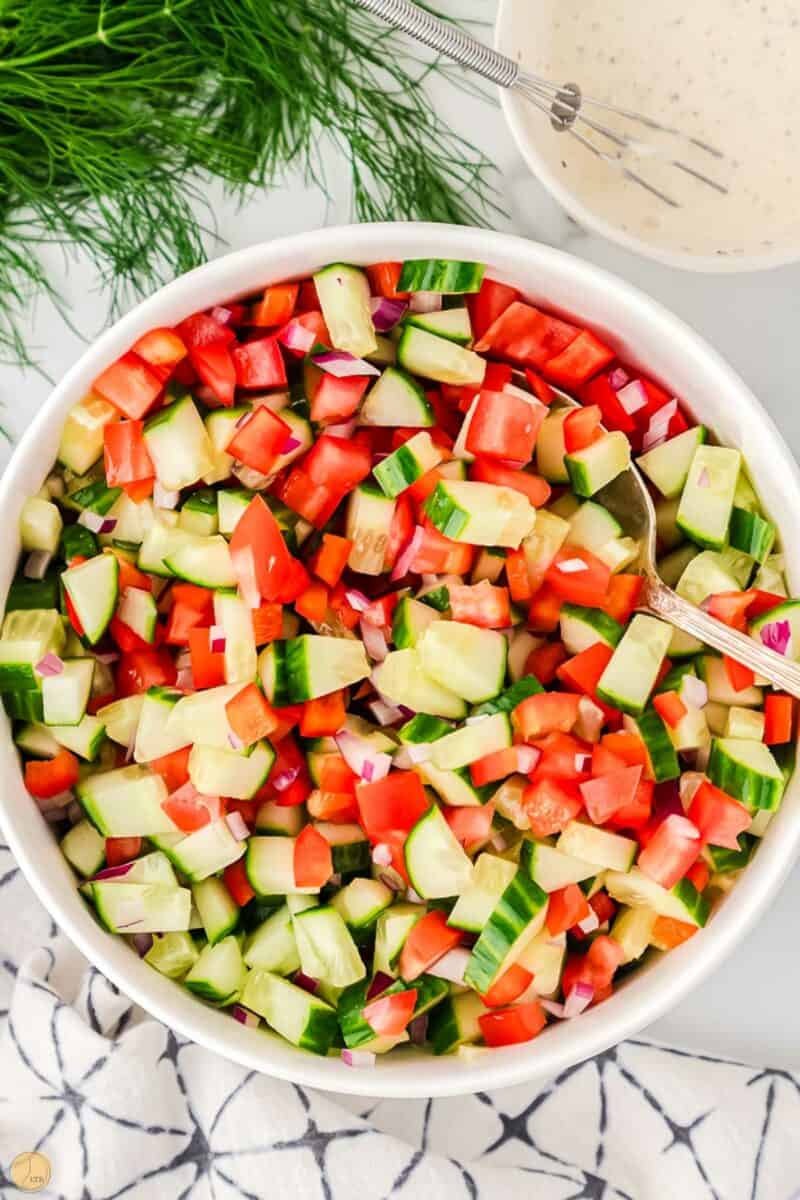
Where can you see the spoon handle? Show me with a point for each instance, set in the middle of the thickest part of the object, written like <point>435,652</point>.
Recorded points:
<point>781,672</point>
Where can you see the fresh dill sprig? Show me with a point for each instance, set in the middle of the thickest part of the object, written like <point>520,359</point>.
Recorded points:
<point>113,113</point>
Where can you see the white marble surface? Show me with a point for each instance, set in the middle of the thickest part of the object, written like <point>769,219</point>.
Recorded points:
<point>748,1008</point>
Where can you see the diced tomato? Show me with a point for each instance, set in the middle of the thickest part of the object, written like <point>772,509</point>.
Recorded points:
<point>439,555</point>
<point>672,849</point>
<point>384,278</point>
<point>627,746</point>
<point>122,850</point>
<point>189,810</point>
<point>142,669</point>
<point>718,817</point>
<point>670,708</point>
<point>208,666</point>
<point>603,907</point>
<point>323,716</point>
<point>250,716</point>
<point>428,941</point>
<point>173,768</point>
<point>337,463</point>
<point>545,712</point>
<point>389,1015</point>
<point>622,597</point>
<point>519,584</point>
<point>731,608</point>
<point>314,502</point>
<point>544,662</point>
<point>313,604</point>
<point>214,364</point>
<point>510,1026</point>
<point>259,553</point>
<point>400,530</point>
<point>421,488</point>
<point>380,611</point>
<point>778,718</point>
<point>587,586</point>
<point>332,806</point>
<point>512,984</point>
<point>486,305</point>
<point>471,824</point>
<point>495,766</point>
<point>699,875</point>
<point>130,385</point>
<point>580,360</point>
<point>607,794</point>
<point>313,860</point>
<point>125,456</point>
<point>563,758</point>
<point>49,777</point>
<point>191,607</point>
<point>567,907</point>
<point>296,582</point>
<point>239,887</point>
<point>582,672</point>
<point>582,428</point>
<point>267,623</point>
<point>336,776</point>
<point>160,348</point>
<point>545,610</point>
<point>480,604</point>
<point>550,806</point>
<point>540,387</point>
<point>125,637</point>
<point>276,305</point>
<point>330,559</point>
<point>637,814</point>
<point>201,329</point>
<point>668,932</point>
<point>600,392</point>
<point>603,958</point>
<point>526,335</point>
<point>504,426</point>
<point>740,677</point>
<point>258,364</point>
<point>392,805</point>
<point>259,441</point>
<point>333,399</point>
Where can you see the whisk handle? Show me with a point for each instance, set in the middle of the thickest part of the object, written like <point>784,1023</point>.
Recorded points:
<point>445,39</point>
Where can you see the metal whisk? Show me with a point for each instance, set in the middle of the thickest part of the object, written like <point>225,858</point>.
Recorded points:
<point>565,104</point>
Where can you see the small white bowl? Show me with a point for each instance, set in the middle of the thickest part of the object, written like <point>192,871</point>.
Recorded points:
<point>529,127</point>
<point>646,334</point>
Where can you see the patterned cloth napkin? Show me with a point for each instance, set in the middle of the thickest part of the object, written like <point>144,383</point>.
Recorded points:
<point>121,1107</point>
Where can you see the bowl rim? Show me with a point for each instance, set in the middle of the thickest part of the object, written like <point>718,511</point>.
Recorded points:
<point>651,991</point>
<point>514,107</point>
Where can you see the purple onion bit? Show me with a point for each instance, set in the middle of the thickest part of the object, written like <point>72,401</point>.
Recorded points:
<point>776,636</point>
<point>342,365</point>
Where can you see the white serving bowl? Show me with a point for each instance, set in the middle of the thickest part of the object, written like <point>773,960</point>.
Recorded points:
<point>646,334</point>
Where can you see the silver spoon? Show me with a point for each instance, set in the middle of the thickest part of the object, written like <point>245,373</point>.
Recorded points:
<point>629,500</point>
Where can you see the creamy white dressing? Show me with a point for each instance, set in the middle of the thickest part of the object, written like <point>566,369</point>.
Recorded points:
<point>725,71</point>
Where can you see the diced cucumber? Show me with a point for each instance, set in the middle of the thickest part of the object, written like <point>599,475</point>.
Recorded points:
<point>551,868</point>
<point>65,696</point>
<point>156,735</point>
<point>219,973</point>
<point>608,851</point>
<point>550,448</point>
<point>667,465</point>
<point>232,504</point>
<point>173,954</point>
<point>200,717</point>
<point>682,903</point>
<point>203,561</point>
<point>360,903</point>
<point>216,772</point>
<point>82,436</point>
<point>466,745</point>
<point>662,759</point>
<point>711,670</point>
<point>507,701</point>
<point>199,513</point>
<point>272,946</point>
<point>316,665</point>
<point>454,1022</point>
<point>542,545</point>
<point>141,907</point>
<point>406,464</point>
<point>84,848</point>
<point>521,646</point>
<point>410,620</point>
<point>37,741</point>
<point>83,739</point>
<point>744,723</point>
<point>125,803</point>
<point>630,675</point>
<point>748,771</point>
<point>592,526</point>
<point>40,525</point>
<point>279,819</point>
<point>707,498</point>
<point>396,400</point>
<point>672,566</point>
<point>94,495</point>
<point>303,1019</point>
<point>691,732</point>
<point>93,587</point>
<point>436,863</point>
<point>515,920</point>
<point>220,426</point>
<point>591,469</point>
<point>326,947</point>
<point>723,861</point>
<point>453,787</point>
<point>161,541</point>
<point>489,565</point>
<point>344,297</point>
<point>137,609</point>
<point>218,911</point>
<point>769,577</point>
<point>483,514</point>
<point>442,275</point>
<point>709,573</point>
<point>368,525</point>
<point>466,659</point>
<point>273,674</point>
<point>133,521</point>
<point>23,706</point>
<point>357,1031</point>
<point>789,612</point>
<point>437,358</point>
<point>669,535</point>
<point>393,927</point>
<point>585,627</point>
<point>178,445</point>
<point>241,656</point>
<point>633,929</point>
<point>350,849</point>
<point>451,323</point>
<point>751,534</point>
<point>402,679</point>
<point>34,593</point>
<point>619,553</point>
<point>270,867</point>
<point>206,851</point>
<point>424,728</point>
<point>544,957</point>
<point>487,882</point>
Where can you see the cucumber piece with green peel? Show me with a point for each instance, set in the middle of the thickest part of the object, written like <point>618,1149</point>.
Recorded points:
<point>280,820</point>
<point>468,744</point>
<point>36,741</point>
<point>94,495</point>
<point>125,802</point>
<point>368,525</point>
<point>350,850</point>
<point>770,575</point>
<point>403,679</point>
<point>232,504</point>
<point>711,669</point>
<point>236,619</point>
<point>453,787</point>
<point>396,399</point>
<point>408,463</point>
<point>455,1022</point>
<point>489,878</point>
<point>662,758</point>
<point>65,695</point>
<point>619,553</point>
<point>215,772</point>
<point>507,701</point>
<point>682,902</point>
<point>84,848</point>
<point>468,660</point>
<point>489,565</point>
<point>691,732</point>
<point>707,498</point>
<point>514,921</point>
<point>723,860</point>
<point>200,514</point>
<point>219,973</point>
<point>667,465</point>
<point>391,930</point>
<point>550,448</point>
<point>172,954</point>
<point>591,469</point>
<point>84,739</point>
<point>269,863</point>
<point>141,907</point>
<point>206,851</point>
<point>344,298</point>
<point>542,545</point>
<point>273,674</point>
<point>137,609</point>
<point>302,1019</point>
<point>178,445</point>
<point>205,562</point>
<point>436,863</point>
<point>155,735</point>
<point>584,627</point>
<point>35,593</point>
<point>633,930</point>
<point>356,1030</point>
<point>410,620</point>
<point>424,728</point>
<point>317,665</point>
<point>220,426</point>
<point>218,911</point>
<point>160,543</point>
<point>608,851</point>
<point>446,276</point>
<point>630,675</point>
<point>93,588</point>
<point>544,956</point>
<point>436,358</point>
<point>437,597</point>
<point>551,867</point>
<point>483,514</point>
<point>744,723</point>
<point>788,612</point>
<point>40,525</point>
<point>272,946</point>
<point>360,903</point>
<point>82,436</point>
<point>200,717</point>
<point>24,706</point>
<point>592,526</point>
<point>451,323</point>
<point>746,770</point>
<point>751,534</point>
<point>326,947</point>
<point>521,645</point>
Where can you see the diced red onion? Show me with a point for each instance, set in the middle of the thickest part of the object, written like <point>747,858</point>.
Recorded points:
<point>384,714</point>
<point>689,783</point>
<point>183,659</point>
<point>162,498</point>
<point>695,691</point>
<point>413,897</point>
<point>344,430</point>
<point>417,752</point>
<point>632,396</point>
<point>430,581</point>
<point>48,666</point>
<point>216,639</point>
<point>284,779</point>
<point>553,1008</point>
<point>55,486</point>
<point>96,522</point>
<point>336,879</point>
<point>306,982</point>
<point>527,758</point>
<point>116,872</point>
<point>452,965</point>
<point>358,1058</point>
<point>342,365</point>
<point>658,429</point>
<point>74,813</point>
<point>499,843</point>
<point>591,719</point>
<point>237,825</point>
<point>245,1017</point>
<point>776,636</point>
<point>590,923</point>
<point>403,564</point>
<point>108,657</point>
<point>143,943</point>
<point>291,443</point>
<point>618,378</point>
<point>572,566</point>
<point>583,762</point>
<point>392,880</point>
<point>382,855</point>
<point>184,681</point>
<point>53,815</point>
<point>418,1030</point>
<point>367,763</point>
<point>704,479</point>
<point>297,338</point>
<point>374,641</point>
<point>221,315</point>
<point>580,997</point>
<point>379,984</point>
<point>386,312</point>
<point>425,302</point>
<point>357,600</point>
<point>36,564</point>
